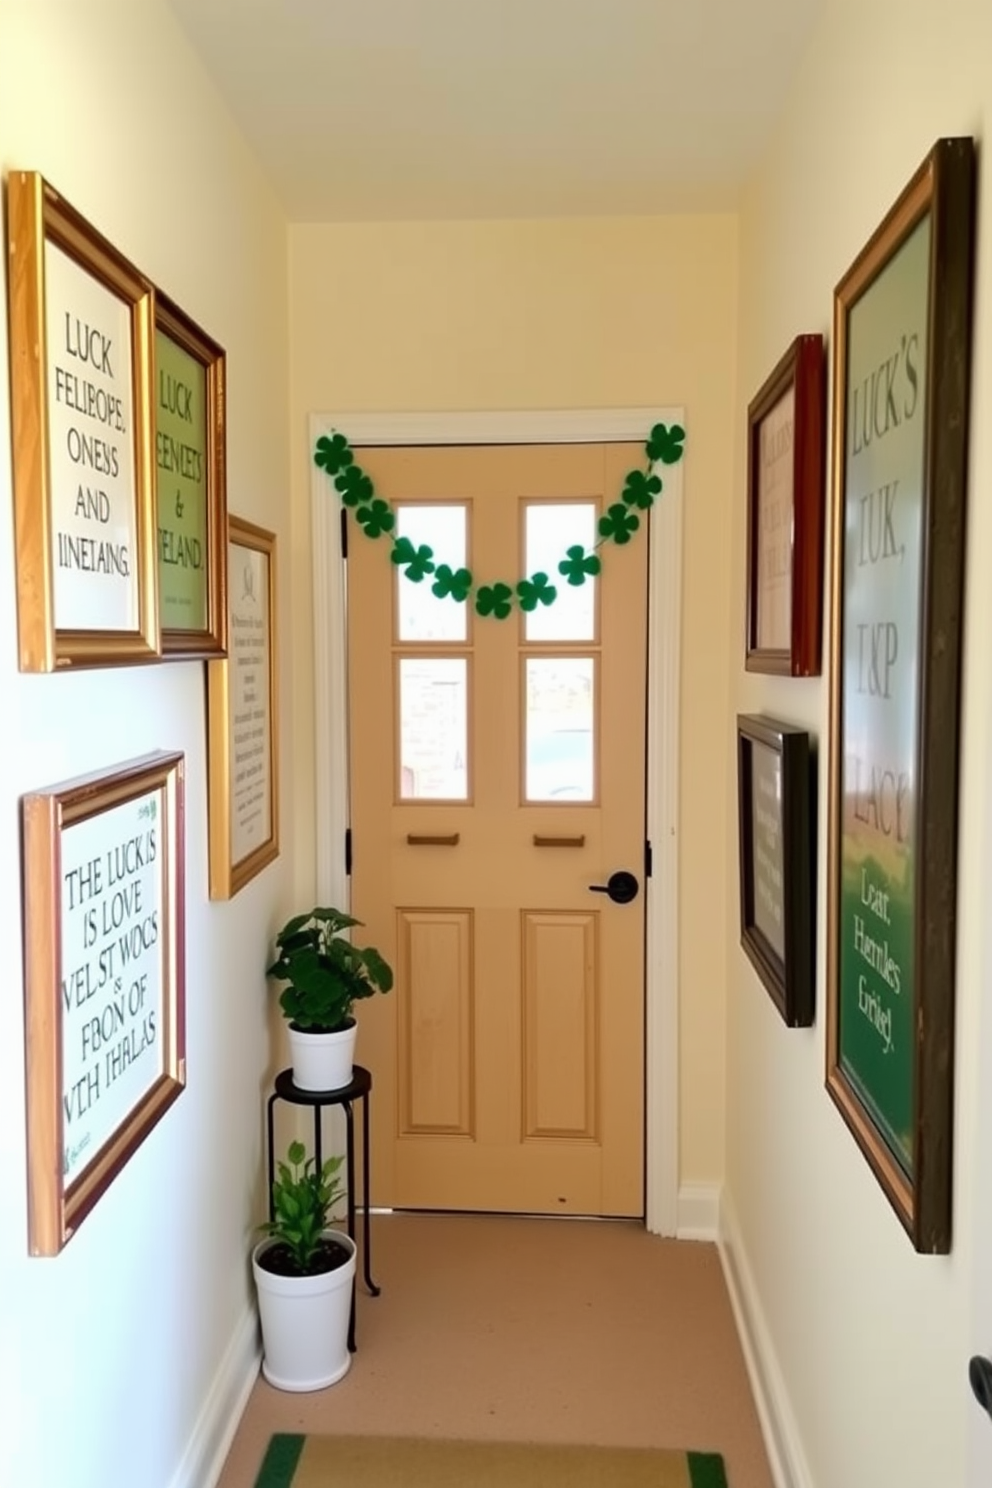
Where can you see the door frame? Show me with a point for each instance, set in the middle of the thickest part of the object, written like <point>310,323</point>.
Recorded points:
<point>556,426</point>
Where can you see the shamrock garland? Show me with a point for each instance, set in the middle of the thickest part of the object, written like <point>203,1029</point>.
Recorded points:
<point>618,524</point>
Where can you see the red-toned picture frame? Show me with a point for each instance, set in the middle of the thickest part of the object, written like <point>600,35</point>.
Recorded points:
<point>785,514</point>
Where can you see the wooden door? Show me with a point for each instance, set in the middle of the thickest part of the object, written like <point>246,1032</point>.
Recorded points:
<point>497,773</point>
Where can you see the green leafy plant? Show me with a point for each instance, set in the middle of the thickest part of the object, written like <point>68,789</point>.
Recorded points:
<point>325,972</point>
<point>302,1199</point>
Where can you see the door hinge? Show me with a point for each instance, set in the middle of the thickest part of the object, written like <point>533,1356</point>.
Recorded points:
<point>344,533</point>
<point>647,859</point>
<point>347,851</point>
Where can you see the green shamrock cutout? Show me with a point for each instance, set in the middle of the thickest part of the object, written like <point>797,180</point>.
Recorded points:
<point>495,600</point>
<point>665,444</point>
<point>376,519</point>
<point>419,562</point>
<point>618,523</point>
<point>578,564</point>
<point>640,489</point>
<point>355,487</point>
<point>456,584</point>
<point>332,455</point>
<point>535,590</point>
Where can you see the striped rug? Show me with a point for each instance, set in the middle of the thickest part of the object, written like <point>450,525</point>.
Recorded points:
<point>414,1462</point>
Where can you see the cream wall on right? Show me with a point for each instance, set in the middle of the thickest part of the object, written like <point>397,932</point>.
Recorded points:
<point>864,1344</point>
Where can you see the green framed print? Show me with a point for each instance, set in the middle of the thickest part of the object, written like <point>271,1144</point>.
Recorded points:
<point>192,499</point>
<point>902,317</point>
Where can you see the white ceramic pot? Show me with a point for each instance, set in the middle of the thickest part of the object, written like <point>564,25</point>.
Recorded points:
<point>305,1322</point>
<point>322,1061</point>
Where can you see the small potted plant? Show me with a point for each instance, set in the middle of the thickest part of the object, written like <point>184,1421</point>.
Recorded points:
<point>304,1274</point>
<point>327,975</point>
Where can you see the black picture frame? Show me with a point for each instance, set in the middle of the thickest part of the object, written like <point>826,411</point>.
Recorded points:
<point>777,842</point>
<point>902,323</point>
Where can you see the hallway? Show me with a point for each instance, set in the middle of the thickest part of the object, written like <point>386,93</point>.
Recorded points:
<point>532,1330</point>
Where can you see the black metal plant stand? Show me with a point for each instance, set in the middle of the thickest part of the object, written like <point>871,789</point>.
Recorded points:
<point>359,1089</point>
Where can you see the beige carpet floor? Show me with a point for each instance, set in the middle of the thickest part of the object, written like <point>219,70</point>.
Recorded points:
<point>491,1327</point>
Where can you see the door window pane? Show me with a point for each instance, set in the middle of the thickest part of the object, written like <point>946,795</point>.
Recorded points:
<point>560,729</point>
<point>433,731</point>
<point>421,616</point>
<point>550,529</point>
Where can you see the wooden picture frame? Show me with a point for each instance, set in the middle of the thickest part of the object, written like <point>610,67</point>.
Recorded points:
<point>242,718</point>
<point>777,846</point>
<point>104,980</point>
<point>81,320</point>
<point>902,328</point>
<point>785,501</point>
<point>190,455</point>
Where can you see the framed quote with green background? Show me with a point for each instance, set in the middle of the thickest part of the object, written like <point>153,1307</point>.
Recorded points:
<point>81,326</point>
<point>190,446</point>
<point>104,980</point>
<point>776,838</point>
<point>902,317</point>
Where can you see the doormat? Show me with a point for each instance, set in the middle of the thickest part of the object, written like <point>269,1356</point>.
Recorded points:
<point>415,1462</point>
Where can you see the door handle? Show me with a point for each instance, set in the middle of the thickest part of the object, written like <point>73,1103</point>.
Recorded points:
<point>980,1377</point>
<point>621,887</point>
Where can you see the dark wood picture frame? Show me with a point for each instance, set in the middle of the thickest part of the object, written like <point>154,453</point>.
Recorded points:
<point>902,331</point>
<point>776,840</point>
<point>191,456</point>
<point>785,503</point>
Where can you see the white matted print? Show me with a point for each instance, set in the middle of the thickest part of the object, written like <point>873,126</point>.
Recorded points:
<point>81,321</point>
<point>104,984</point>
<point>242,718</point>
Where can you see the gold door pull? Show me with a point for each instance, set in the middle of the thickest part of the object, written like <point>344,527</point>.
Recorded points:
<point>559,841</point>
<point>415,841</point>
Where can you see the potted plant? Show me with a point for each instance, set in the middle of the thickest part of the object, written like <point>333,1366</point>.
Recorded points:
<point>327,975</point>
<point>304,1274</point>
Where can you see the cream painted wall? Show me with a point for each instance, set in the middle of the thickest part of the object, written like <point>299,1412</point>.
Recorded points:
<point>868,1341</point>
<point>109,1352</point>
<point>553,314</point>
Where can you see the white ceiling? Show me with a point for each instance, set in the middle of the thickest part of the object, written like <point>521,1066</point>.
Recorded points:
<point>365,110</point>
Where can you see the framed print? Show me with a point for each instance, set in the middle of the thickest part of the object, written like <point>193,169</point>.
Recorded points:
<point>777,848</point>
<point>242,718</point>
<point>902,317</point>
<point>81,320</point>
<point>785,500</point>
<point>192,499</point>
<point>104,959</point>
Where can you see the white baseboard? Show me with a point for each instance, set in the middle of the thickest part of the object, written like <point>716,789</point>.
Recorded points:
<point>222,1410</point>
<point>699,1212</point>
<point>771,1397</point>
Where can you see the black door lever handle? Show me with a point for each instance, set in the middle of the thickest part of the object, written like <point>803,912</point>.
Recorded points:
<point>621,887</point>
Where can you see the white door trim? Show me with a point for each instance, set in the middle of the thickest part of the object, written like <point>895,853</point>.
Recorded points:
<point>557,426</point>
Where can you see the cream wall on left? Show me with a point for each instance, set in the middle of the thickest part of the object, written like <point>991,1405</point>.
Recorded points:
<point>119,1357</point>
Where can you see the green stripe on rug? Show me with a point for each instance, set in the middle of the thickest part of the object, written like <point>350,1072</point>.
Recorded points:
<point>280,1462</point>
<point>424,1462</point>
<point>706,1470</point>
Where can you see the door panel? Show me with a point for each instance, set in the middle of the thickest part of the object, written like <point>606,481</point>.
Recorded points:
<point>508,1061</point>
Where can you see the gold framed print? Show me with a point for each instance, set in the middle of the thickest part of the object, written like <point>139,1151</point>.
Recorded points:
<point>81,320</point>
<point>104,980</point>
<point>242,718</point>
<point>192,500</point>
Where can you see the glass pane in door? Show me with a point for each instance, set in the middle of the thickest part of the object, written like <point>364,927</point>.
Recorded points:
<point>433,709</point>
<point>420,614</point>
<point>560,752</point>
<point>550,529</point>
